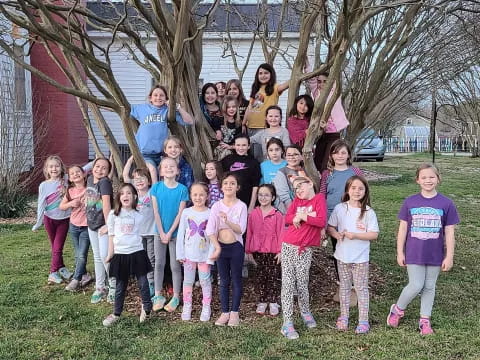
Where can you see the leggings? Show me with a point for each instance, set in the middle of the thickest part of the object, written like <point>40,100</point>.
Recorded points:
<point>148,246</point>
<point>230,263</point>
<point>359,274</point>
<point>99,245</point>
<point>57,234</point>
<point>121,290</point>
<point>189,270</point>
<point>421,279</point>
<point>295,271</point>
<point>267,281</point>
<point>160,262</point>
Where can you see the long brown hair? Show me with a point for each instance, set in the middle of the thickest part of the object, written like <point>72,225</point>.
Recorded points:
<point>335,148</point>
<point>118,204</point>
<point>226,100</point>
<point>366,198</point>
<point>71,184</point>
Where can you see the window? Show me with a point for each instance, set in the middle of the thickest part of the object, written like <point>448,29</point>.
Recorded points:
<point>20,89</point>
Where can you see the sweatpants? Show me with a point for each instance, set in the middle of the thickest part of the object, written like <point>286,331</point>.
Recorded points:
<point>268,277</point>
<point>230,263</point>
<point>189,272</point>
<point>359,274</point>
<point>148,246</point>
<point>160,262</point>
<point>421,279</point>
<point>57,234</point>
<point>121,290</point>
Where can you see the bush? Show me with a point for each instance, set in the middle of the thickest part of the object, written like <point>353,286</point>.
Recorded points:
<point>13,202</point>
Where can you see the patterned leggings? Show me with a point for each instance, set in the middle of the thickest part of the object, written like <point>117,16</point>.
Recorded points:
<point>267,281</point>
<point>359,274</point>
<point>295,270</point>
<point>189,270</point>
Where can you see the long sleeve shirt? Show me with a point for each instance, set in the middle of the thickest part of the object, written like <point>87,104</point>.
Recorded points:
<point>50,195</point>
<point>263,232</point>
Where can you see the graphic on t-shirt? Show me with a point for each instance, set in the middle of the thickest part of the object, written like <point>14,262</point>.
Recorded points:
<point>305,210</point>
<point>194,228</point>
<point>426,223</point>
<point>53,200</point>
<point>236,166</point>
<point>360,226</point>
<point>145,202</point>
<point>93,200</point>
<point>126,225</point>
<point>155,118</point>
<point>258,101</point>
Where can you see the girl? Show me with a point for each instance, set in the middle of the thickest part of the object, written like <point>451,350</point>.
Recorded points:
<point>142,183</point>
<point>231,127</point>
<point>226,224</point>
<point>211,108</point>
<point>193,249</point>
<point>305,219</point>
<point>265,224</point>
<point>265,93</point>
<point>334,178</point>
<point>246,168</point>
<point>425,245</point>
<point>353,224</point>
<point>125,252</point>
<point>74,200</point>
<point>169,199</point>
<point>275,162</point>
<point>98,199</point>
<point>50,194</point>
<point>299,119</point>
<point>283,179</point>
<point>213,172</point>
<point>234,88</point>
<point>273,130</point>
<point>153,129</point>
<point>220,85</point>
<point>173,148</point>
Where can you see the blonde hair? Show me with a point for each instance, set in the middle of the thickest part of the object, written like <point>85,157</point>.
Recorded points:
<point>57,159</point>
<point>427,166</point>
<point>227,99</point>
<point>172,138</point>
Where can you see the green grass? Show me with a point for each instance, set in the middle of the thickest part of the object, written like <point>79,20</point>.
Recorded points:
<point>45,322</point>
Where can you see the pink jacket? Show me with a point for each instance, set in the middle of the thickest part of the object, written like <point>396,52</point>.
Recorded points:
<point>263,233</point>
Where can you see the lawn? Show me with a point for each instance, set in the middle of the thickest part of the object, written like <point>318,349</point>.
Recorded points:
<point>39,321</point>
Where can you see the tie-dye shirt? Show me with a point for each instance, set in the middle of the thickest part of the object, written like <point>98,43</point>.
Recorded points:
<point>50,195</point>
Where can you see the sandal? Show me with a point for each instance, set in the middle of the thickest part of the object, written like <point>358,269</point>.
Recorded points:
<point>363,327</point>
<point>342,323</point>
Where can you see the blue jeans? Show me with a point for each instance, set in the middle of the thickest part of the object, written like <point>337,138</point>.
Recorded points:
<point>153,159</point>
<point>81,243</point>
<point>230,263</point>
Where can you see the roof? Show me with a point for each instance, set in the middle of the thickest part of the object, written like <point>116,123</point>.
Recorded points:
<point>415,131</point>
<point>243,17</point>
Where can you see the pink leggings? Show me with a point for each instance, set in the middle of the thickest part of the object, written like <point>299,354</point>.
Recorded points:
<point>189,270</point>
<point>359,274</point>
<point>57,234</point>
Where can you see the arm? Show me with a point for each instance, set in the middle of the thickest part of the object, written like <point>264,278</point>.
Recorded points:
<point>447,262</point>
<point>177,220</point>
<point>40,207</point>
<point>319,217</point>
<point>249,236</point>
<point>291,212</point>
<point>158,220</point>
<point>323,182</point>
<point>332,231</point>
<point>312,82</point>
<point>180,246</point>
<point>253,199</point>
<point>186,117</point>
<point>282,87</point>
<point>357,171</point>
<point>280,227</point>
<point>212,233</point>
<point>111,233</point>
<point>367,236</point>
<point>401,239</point>
<point>283,190</point>
<point>285,137</point>
<point>126,170</point>
<point>106,207</point>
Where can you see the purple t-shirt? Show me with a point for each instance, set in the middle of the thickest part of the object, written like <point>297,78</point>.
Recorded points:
<point>426,220</point>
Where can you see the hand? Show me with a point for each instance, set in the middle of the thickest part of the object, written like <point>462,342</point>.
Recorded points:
<point>224,146</point>
<point>215,254</point>
<point>181,261</point>
<point>250,209</point>
<point>323,234</point>
<point>75,203</point>
<point>447,264</point>
<point>349,235</point>
<point>103,230</point>
<point>163,238</point>
<point>296,221</point>
<point>244,129</point>
<point>108,258</point>
<point>278,257</point>
<point>223,216</point>
<point>250,259</point>
<point>401,259</point>
<point>339,236</point>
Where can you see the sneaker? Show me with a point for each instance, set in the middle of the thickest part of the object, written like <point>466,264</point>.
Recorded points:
<point>143,315</point>
<point>309,320</point>
<point>64,273</point>
<point>151,287</point>
<point>187,311</point>
<point>289,331</point>
<point>206,313</point>
<point>86,279</point>
<point>111,295</point>
<point>261,308</point>
<point>72,285</point>
<point>172,304</point>
<point>342,323</point>
<point>425,326</point>
<point>54,278</point>
<point>158,302</point>
<point>234,319</point>
<point>394,316</point>
<point>110,320</point>
<point>97,296</point>
<point>223,319</point>
<point>274,309</point>
<point>363,327</point>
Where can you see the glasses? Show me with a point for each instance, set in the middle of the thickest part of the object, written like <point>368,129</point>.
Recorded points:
<point>300,185</point>
<point>292,155</point>
<point>264,195</point>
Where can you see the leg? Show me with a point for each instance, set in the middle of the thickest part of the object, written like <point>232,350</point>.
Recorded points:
<point>59,242</point>
<point>175,267</point>
<point>223,265</point>
<point>120,291</point>
<point>416,282</point>
<point>153,172</point>
<point>236,262</point>
<point>83,245</point>
<point>288,280</point>
<point>148,245</point>
<point>261,281</point>
<point>428,292</point>
<point>345,273</point>
<point>205,282</point>
<point>274,275</point>
<point>360,281</point>
<point>335,261</point>
<point>302,270</point>
<point>100,275</point>
<point>75,232</point>
<point>160,254</point>
<point>142,282</point>
<point>103,245</point>
<point>189,269</point>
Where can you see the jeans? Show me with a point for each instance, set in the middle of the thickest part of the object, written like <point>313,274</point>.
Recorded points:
<point>121,290</point>
<point>230,263</point>
<point>153,159</point>
<point>100,251</point>
<point>57,234</point>
<point>81,243</point>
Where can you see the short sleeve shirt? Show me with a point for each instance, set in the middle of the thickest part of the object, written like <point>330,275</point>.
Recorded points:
<point>259,105</point>
<point>93,199</point>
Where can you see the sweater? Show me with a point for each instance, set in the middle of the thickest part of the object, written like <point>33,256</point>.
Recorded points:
<point>263,232</point>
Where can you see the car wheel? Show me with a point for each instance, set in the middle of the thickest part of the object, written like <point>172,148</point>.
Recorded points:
<point>379,159</point>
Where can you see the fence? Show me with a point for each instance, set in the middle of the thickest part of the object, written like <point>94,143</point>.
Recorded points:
<point>421,143</point>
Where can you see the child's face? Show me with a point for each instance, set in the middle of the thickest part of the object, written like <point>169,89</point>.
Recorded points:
<point>265,197</point>
<point>126,197</point>
<point>341,156</point>
<point>210,171</point>
<point>140,182</point>
<point>264,76</point>
<point>321,81</point>
<point>173,149</point>
<point>293,157</point>
<point>168,168</point>
<point>274,152</point>
<point>302,107</point>
<point>241,146</point>
<point>54,169</point>
<point>100,169</point>
<point>274,118</point>
<point>230,186</point>
<point>158,98</point>
<point>220,89</point>
<point>356,191</point>
<point>303,189</point>
<point>231,109</point>
<point>198,195</point>
<point>210,95</point>
<point>76,175</point>
<point>428,180</point>
<point>233,90</point>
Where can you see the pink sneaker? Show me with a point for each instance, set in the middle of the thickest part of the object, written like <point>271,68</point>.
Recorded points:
<point>425,326</point>
<point>394,316</point>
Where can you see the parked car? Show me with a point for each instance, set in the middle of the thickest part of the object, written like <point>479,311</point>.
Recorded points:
<point>369,146</point>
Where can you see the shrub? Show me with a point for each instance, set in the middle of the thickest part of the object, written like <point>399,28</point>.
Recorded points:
<point>13,202</point>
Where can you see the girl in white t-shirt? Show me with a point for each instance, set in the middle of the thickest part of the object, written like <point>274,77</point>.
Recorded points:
<point>354,224</point>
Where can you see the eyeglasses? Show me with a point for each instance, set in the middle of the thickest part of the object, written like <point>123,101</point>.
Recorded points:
<point>300,185</point>
<point>264,195</point>
<point>140,179</point>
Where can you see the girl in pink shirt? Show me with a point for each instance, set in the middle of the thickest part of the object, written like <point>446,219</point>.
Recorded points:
<point>265,224</point>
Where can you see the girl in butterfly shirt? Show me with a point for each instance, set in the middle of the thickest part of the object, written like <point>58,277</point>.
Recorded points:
<point>193,250</point>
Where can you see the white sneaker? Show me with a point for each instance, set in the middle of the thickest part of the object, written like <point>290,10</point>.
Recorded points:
<point>73,285</point>
<point>54,278</point>
<point>110,320</point>
<point>186,312</point>
<point>261,308</point>
<point>143,315</point>
<point>86,279</point>
<point>206,313</point>
<point>274,309</point>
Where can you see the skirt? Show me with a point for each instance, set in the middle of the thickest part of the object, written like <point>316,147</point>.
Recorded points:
<point>122,266</point>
